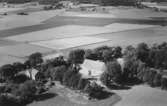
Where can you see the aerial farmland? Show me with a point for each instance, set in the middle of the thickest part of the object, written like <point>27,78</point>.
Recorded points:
<point>59,31</point>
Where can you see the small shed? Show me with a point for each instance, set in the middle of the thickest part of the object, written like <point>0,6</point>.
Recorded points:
<point>91,68</point>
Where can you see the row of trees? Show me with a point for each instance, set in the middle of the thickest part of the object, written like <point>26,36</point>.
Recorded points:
<point>104,53</point>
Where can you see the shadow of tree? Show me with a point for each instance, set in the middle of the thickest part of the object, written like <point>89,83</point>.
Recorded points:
<point>101,95</point>
<point>45,96</point>
<point>131,82</point>
<point>118,87</point>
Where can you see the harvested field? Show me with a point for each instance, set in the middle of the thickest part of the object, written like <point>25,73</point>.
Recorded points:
<point>65,43</point>
<point>74,31</point>
<point>22,50</point>
<point>7,59</point>
<point>14,21</point>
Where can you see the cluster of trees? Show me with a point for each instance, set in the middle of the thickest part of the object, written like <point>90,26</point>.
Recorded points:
<point>104,53</point>
<point>19,88</point>
<point>141,64</point>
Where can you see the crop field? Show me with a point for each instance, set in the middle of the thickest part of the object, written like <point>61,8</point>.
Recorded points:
<point>69,42</point>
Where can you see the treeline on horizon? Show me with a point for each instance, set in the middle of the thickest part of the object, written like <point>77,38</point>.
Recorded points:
<point>100,2</point>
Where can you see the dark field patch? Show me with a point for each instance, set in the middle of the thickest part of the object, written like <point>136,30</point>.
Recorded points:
<point>62,20</point>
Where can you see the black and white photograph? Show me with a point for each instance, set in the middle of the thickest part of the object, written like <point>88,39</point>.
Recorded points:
<point>83,52</point>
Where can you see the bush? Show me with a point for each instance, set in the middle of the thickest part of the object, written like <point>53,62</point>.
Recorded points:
<point>35,59</point>
<point>105,78</point>
<point>7,72</point>
<point>89,54</point>
<point>58,73</point>
<point>8,100</point>
<point>76,56</point>
<point>114,71</point>
<point>151,75</point>
<point>157,80</point>
<point>142,52</point>
<point>26,91</point>
<point>82,83</point>
<point>164,82</point>
<point>20,78</point>
<point>94,90</point>
<point>40,76</point>
<point>9,88</point>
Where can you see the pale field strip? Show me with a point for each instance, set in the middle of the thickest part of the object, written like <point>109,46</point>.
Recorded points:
<point>7,9</point>
<point>7,59</point>
<point>91,15</point>
<point>23,50</point>
<point>58,32</point>
<point>35,18</point>
<point>65,43</point>
<point>68,31</point>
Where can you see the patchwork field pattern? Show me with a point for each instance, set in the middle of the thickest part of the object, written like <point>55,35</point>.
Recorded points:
<point>65,43</point>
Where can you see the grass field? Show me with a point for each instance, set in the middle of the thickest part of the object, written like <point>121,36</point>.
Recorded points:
<point>142,95</point>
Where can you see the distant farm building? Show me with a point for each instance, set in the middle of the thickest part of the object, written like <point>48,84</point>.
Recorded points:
<point>30,73</point>
<point>88,7</point>
<point>67,4</point>
<point>91,68</point>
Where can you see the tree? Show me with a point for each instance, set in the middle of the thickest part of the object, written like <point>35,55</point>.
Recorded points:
<point>152,73</point>
<point>107,55</point>
<point>130,68</point>
<point>9,100</point>
<point>130,52</point>
<point>99,51</point>
<point>67,76</point>
<point>40,76</point>
<point>8,71</point>
<point>142,52</point>
<point>19,66</point>
<point>114,71</point>
<point>105,78</point>
<point>26,91</point>
<point>146,75</point>
<point>58,73</point>
<point>20,78</point>
<point>76,56</point>
<point>89,54</point>
<point>74,80</point>
<point>82,83</point>
<point>35,59</point>
<point>157,80</point>
<point>164,82</point>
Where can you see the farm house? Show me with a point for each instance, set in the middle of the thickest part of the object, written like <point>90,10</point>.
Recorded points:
<point>91,68</point>
<point>29,73</point>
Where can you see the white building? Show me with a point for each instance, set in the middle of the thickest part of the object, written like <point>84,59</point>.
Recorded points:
<point>91,68</point>
<point>29,73</point>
